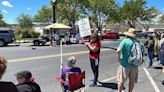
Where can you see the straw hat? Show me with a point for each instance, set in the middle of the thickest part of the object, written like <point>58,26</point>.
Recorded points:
<point>130,32</point>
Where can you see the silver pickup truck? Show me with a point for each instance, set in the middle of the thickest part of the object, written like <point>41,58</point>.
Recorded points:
<point>6,36</point>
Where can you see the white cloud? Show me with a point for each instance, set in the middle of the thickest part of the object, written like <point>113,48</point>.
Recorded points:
<point>6,3</point>
<point>29,8</point>
<point>4,11</point>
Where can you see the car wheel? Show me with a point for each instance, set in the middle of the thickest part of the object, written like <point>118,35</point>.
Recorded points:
<point>43,43</point>
<point>2,43</point>
<point>36,43</point>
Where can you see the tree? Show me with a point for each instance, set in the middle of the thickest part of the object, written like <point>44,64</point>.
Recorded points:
<point>135,11</point>
<point>25,21</point>
<point>162,18</point>
<point>69,11</point>
<point>2,22</point>
<point>99,11</point>
<point>44,15</point>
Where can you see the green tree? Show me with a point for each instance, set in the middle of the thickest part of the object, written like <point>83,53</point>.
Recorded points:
<point>99,12</point>
<point>25,21</point>
<point>135,11</point>
<point>44,15</point>
<point>162,18</point>
<point>2,22</point>
<point>69,11</point>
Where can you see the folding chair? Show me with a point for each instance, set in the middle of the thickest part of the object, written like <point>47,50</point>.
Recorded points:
<point>76,81</point>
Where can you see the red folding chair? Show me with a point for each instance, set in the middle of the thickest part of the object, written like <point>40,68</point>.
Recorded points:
<point>76,81</point>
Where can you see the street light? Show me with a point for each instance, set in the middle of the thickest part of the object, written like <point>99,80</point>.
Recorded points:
<point>54,8</point>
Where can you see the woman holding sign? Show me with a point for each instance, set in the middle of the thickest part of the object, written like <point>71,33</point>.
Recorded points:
<point>94,46</point>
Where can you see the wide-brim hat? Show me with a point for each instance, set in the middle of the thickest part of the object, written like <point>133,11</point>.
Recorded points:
<point>130,32</point>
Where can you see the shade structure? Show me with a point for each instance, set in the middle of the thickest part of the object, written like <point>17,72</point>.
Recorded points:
<point>58,26</point>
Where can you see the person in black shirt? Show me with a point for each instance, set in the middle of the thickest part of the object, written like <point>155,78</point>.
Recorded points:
<point>25,82</point>
<point>5,86</point>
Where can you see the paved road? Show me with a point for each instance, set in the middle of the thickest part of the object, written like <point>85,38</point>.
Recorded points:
<point>44,62</point>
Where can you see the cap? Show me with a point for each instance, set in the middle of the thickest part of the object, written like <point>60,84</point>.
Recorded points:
<point>25,74</point>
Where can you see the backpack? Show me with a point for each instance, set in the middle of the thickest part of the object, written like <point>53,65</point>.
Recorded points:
<point>136,54</point>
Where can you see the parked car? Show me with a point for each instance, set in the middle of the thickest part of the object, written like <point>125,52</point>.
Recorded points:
<point>110,35</point>
<point>40,41</point>
<point>142,34</point>
<point>6,36</point>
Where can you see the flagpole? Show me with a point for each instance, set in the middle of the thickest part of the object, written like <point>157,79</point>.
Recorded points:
<point>61,55</point>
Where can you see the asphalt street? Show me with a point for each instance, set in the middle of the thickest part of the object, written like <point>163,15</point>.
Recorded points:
<point>44,62</point>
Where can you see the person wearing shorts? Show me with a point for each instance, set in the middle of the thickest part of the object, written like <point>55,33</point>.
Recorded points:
<point>126,71</point>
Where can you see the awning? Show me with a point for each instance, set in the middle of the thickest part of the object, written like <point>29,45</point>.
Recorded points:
<point>57,26</point>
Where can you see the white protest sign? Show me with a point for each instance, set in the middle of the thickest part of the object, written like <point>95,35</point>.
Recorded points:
<point>84,27</point>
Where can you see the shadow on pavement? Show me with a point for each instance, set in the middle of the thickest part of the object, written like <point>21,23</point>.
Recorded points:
<point>158,67</point>
<point>108,85</point>
<point>110,48</point>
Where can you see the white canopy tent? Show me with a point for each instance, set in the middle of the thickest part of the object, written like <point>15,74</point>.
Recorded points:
<point>57,26</point>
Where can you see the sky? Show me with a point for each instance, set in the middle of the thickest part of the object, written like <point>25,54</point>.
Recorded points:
<point>11,9</point>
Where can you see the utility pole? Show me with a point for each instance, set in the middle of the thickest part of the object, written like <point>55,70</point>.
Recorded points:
<point>54,10</point>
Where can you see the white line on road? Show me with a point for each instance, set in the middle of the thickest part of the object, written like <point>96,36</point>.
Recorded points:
<point>151,80</point>
<point>49,56</point>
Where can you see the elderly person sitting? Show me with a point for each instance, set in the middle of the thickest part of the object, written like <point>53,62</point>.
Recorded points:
<point>5,86</point>
<point>25,84</point>
<point>70,68</point>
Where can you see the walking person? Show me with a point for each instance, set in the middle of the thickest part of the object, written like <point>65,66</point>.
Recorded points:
<point>94,46</point>
<point>5,86</point>
<point>156,44</point>
<point>125,69</point>
<point>150,51</point>
<point>161,51</point>
<point>26,83</point>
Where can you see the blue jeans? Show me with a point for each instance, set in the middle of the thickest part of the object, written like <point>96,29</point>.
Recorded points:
<point>150,56</point>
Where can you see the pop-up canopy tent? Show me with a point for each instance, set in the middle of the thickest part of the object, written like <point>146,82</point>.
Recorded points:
<point>57,26</point>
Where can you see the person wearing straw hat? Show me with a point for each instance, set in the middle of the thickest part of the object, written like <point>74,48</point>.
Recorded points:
<point>126,70</point>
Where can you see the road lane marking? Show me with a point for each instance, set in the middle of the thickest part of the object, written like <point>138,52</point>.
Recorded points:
<point>49,56</point>
<point>151,80</point>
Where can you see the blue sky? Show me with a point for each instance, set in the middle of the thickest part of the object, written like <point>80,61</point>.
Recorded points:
<point>12,8</point>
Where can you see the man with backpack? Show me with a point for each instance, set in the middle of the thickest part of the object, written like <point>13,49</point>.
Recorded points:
<point>130,56</point>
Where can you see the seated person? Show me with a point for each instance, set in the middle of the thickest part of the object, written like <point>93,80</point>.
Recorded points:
<point>5,86</point>
<point>70,68</point>
<point>26,82</point>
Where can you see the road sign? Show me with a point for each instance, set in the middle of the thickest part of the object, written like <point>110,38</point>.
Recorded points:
<point>84,27</point>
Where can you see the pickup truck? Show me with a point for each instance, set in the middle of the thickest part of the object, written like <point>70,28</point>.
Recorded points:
<point>40,41</point>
